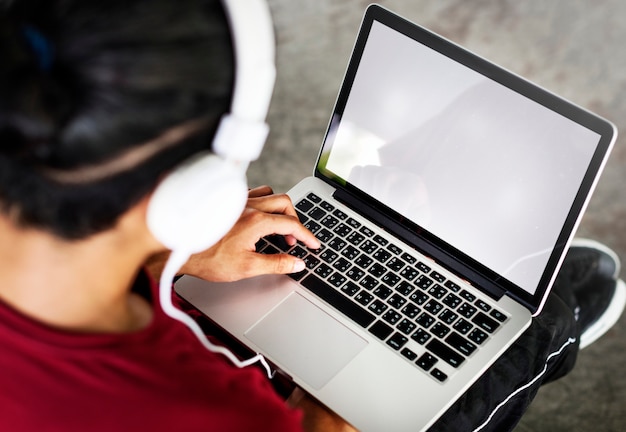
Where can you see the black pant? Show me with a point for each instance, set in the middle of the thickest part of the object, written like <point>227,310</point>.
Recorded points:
<point>547,350</point>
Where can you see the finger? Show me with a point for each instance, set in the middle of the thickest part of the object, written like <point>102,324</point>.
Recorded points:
<point>275,264</point>
<point>279,204</point>
<point>288,226</point>
<point>260,191</point>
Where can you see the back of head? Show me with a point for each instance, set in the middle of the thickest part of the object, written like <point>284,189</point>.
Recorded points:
<point>84,83</point>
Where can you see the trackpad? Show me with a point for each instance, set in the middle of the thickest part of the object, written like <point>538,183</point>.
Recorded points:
<point>306,340</point>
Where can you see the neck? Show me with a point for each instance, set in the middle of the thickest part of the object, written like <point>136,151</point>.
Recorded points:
<point>78,285</point>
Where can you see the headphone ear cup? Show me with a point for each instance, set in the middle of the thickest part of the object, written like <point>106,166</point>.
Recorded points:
<point>197,203</point>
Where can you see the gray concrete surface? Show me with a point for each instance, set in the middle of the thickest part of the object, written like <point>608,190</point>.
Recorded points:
<point>572,47</point>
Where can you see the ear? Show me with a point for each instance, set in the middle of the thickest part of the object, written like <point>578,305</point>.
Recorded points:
<point>196,204</point>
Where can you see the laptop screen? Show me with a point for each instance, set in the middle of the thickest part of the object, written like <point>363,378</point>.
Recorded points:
<point>487,170</point>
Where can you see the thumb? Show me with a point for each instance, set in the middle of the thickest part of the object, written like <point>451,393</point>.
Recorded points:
<point>281,263</point>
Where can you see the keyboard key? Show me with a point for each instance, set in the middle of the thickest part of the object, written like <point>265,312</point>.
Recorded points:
<point>486,323</point>
<point>381,255</point>
<point>478,336</point>
<point>438,276</point>
<point>404,288</point>
<point>437,291</point>
<point>410,310</point>
<point>368,282</point>
<point>301,217</point>
<point>395,264</point>
<point>452,301</point>
<point>378,307</point>
<point>380,240</point>
<point>350,289</point>
<point>270,250</point>
<point>353,223</point>
<point>381,330</point>
<point>392,317</point>
<point>364,298</point>
<point>329,221</point>
<point>311,261</point>
<point>396,301</point>
<point>445,353</point>
<point>397,341</point>
<point>498,315</point>
<point>342,230</point>
<point>337,243</point>
<point>260,245</point>
<point>439,375</point>
<point>339,214</point>
<point>304,205</point>
<point>409,273</point>
<point>355,238</point>
<point>425,320</point>
<point>448,317</point>
<point>314,198</point>
<point>467,310</point>
<point>406,326</point>
<point>408,258</point>
<point>452,286</point>
<point>336,279</point>
<point>312,226</point>
<point>395,249</point>
<point>423,282</point>
<point>482,305</point>
<point>421,336</point>
<point>355,273</point>
<point>324,235</point>
<point>338,300</point>
<point>328,256</point>
<point>408,354</point>
<point>440,330</point>
<point>426,361</point>
<point>368,247</point>
<point>460,344</point>
<point>422,267</point>
<point>377,270</point>
<point>468,296</point>
<point>366,231</point>
<point>433,306</point>
<point>327,206</point>
<point>317,213</point>
<point>363,261</point>
<point>279,241</point>
<point>390,279</point>
<point>297,276</point>
<point>382,292</point>
<point>418,297</point>
<point>350,252</point>
<point>323,271</point>
<point>462,326</point>
<point>342,265</point>
<point>298,252</point>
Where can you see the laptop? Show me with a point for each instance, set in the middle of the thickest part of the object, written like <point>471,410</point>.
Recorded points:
<point>445,194</point>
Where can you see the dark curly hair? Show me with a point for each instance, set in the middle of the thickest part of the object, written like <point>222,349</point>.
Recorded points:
<point>81,82</point>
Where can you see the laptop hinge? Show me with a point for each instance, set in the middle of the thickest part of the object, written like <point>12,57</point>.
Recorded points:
<point>421,244</point>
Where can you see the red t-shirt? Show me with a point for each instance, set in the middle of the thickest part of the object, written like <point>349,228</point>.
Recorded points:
<point>157,379</point>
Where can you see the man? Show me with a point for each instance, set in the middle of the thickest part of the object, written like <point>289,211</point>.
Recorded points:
<point>99,101</point>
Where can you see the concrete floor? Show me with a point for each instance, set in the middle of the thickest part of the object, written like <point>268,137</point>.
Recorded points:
<point>572,47</point>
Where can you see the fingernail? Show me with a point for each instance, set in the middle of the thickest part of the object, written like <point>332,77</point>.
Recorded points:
<point>298,266</point>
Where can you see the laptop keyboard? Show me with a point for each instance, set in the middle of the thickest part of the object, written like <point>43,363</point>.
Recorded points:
<point>414,310</point>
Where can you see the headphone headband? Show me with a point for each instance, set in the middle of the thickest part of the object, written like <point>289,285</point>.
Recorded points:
<point>242,133</point>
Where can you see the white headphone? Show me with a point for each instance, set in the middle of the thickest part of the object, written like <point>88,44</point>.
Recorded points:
<point>200,201</point>
<point>197,203</point>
